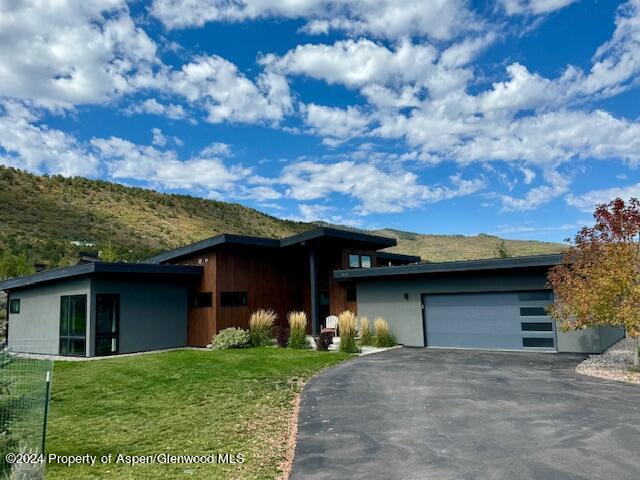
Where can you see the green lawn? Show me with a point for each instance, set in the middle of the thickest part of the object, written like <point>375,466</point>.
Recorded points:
<point>181,402</point>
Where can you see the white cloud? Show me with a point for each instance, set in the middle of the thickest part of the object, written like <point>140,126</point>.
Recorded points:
<point>70,52</point>
<point>533,7</point>
<point>216,85</point>
<point>374,189</point>
<point>588,201</point>
<point>441,19</point>
<point>38,148</point>
<point>127,160</point>
<point>335,124</point>
<point>153,107</point>
<point>558,184</point>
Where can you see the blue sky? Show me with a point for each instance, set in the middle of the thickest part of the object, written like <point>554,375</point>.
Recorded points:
<point>510,117</point>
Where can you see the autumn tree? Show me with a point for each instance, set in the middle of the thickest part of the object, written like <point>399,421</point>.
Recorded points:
<point>599,282</point>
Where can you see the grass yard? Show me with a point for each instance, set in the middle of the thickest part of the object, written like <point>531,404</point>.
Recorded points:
<point>183,402</point>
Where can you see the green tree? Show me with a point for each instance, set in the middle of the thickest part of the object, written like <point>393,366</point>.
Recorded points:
<point>502,250</point>
<point>599,283</point>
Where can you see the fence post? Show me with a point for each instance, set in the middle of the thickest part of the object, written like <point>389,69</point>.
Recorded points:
<point>46,409</point>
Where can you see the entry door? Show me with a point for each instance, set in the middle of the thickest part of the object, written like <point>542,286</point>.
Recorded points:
<point>107,324</point>
<point>73,325</point>
<point>501,321</point>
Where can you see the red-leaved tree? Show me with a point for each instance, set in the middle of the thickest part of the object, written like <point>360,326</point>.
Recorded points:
<point>599,282</point>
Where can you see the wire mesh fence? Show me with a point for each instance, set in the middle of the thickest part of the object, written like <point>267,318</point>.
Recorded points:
<point>24,399</point>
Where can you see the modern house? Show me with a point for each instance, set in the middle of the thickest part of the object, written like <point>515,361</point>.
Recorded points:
<point>185,296</point>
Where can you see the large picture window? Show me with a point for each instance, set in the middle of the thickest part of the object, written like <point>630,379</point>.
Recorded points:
<point>73,325</point>
<point>107,323</point>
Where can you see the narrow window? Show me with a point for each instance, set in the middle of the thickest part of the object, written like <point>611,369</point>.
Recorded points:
<point>537,327</point>
<point>351,293</point>
<point>233,299</point>
<point>14,306</point>
<point>532,296</point>
<point>202,300</point>
<point>537,342</point>
<point>365,261</point>
<point>354,261</point>
<point>533,312</point>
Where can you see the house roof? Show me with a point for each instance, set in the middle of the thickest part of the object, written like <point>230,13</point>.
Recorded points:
<point>548,260</point>
<point>365,239</point>
<point>84,269</point>
<point>398,256</point>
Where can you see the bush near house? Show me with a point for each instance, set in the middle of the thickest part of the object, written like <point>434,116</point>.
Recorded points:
<point>298,330</point>
<point>366,338</point>
<point>261,327</point>
<point>324,341</point>
<point>347,329</point>
<point>384,338</point>
<point>231,338</point>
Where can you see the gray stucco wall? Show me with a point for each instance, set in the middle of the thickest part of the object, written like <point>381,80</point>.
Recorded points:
<point>36,329</point>
<point>386,297</point>
<point>153,315</point>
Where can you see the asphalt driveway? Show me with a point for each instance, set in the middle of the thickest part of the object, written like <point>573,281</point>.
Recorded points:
<point>452,414</point>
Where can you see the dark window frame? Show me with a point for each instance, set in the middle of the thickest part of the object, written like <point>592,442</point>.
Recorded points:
<point>537,326</point>
<point>233,299</point>
<point>66,338</point>
<point>533,312</point>
<point>202,300</point>
<point>12,303</point>
<point>359,256</point>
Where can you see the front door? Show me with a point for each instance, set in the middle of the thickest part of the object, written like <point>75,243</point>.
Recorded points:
<point>73,325</point>
<point>107,323</point>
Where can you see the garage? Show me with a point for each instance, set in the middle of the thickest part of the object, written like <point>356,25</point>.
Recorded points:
<point>490,304</point>
<point>496,320</point>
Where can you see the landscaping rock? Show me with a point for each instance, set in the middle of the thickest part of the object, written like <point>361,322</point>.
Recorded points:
<point>614,364</point>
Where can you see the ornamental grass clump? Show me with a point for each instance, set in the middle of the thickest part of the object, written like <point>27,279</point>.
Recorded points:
<point>347,331</point>
<point>366,338</point>
<point>261,327</point>
<point>298,330</point>
<point>383,337</point>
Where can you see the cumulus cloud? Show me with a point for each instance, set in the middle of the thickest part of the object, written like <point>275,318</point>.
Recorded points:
<point>588,201</point>
<point>68,52</point>
<point>38,148</point>
<point>152,107</point>
<point>557,184</point>
<point>217,86</point>
<point>374,189</point>
<point>533,7</point>
<point>335,124</point>
<point>440,19</point>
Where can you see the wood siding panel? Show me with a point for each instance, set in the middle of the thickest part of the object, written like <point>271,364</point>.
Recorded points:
<point>201,322</point>
<point>273,279</point>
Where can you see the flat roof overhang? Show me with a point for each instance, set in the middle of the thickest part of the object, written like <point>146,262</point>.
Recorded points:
<point>364,240</point>
<point>534,261</point>
<point>102,268</point>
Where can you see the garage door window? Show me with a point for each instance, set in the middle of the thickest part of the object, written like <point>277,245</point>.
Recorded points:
<point>533,312</point>
<point>537,342</point>
<point>537,327</point>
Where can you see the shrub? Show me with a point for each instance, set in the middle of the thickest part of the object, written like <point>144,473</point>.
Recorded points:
<point>298,330</point>
<point>282,336</point>
<point>383,338</point>
<point>324,341</point>
<point>347,330</point>
<point>231,338</point>
<point>366,338</point>
<point>261,327</point>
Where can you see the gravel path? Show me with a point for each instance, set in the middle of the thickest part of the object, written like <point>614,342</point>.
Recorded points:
<point>613,364</point>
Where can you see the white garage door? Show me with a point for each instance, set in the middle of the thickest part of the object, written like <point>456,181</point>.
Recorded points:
<point>503,321</point>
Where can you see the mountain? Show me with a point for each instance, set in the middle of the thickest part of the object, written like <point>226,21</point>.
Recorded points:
<point>40,217</point>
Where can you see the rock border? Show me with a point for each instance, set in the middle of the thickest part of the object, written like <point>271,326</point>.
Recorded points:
<point>615,363</point>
